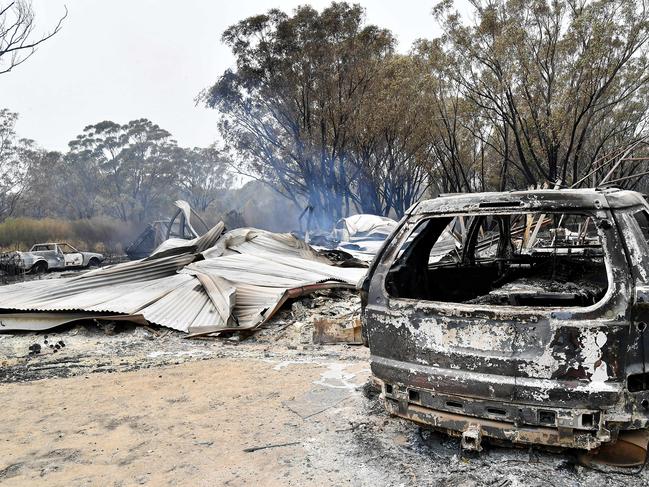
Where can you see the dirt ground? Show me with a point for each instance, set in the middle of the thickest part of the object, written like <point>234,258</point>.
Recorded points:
<point>121,406</point>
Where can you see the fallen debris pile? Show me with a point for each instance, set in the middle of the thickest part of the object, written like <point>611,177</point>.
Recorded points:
<point>217,282</point>
<point>359,236</point>
<point>300,324</point>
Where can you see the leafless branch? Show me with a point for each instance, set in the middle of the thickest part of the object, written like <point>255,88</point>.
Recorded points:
<point>17,40</point>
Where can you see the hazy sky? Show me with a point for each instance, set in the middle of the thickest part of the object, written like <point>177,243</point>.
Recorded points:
<point>125,59</point>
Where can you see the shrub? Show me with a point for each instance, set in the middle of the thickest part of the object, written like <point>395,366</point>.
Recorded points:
<point>100,234</point>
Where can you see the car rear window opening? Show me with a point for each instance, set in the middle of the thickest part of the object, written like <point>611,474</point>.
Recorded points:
<point>518,259</point>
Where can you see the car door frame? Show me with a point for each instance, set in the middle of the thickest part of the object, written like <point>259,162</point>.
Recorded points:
<point>72,259</point>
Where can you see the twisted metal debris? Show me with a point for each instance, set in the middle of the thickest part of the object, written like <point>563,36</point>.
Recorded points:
<point>216,282</point>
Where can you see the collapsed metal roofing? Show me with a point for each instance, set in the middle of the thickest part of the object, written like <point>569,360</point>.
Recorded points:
<point>217,282</point>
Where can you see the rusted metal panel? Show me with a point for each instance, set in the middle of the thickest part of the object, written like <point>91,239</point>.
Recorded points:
<point>342,330</point>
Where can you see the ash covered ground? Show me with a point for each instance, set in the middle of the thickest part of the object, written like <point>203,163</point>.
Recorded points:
<point>126,405</point>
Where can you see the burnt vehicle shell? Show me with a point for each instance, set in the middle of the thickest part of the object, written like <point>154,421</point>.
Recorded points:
<point>55,256</point>
<point>561,376</point>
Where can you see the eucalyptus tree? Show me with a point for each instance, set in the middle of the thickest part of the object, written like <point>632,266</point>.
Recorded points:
<point>13,166</point>
<point>204,175</point>
<point>135,163</point>
<point>291,104</point>
<point>560,81</point>
<point>392,143</point>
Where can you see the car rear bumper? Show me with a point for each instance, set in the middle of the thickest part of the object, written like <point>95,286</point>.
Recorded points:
<point>458,425</point>
<point>535,411</point>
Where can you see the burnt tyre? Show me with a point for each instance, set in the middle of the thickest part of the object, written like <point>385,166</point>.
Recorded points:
<point>39,268</point>
<point>93,263</point>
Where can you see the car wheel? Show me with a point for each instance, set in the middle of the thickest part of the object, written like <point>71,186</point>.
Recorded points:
<point>39,268</point>
<point>93,263</point>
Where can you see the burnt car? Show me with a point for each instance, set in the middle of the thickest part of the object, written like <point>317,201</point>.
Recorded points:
<point>44,257</point>
<point>518,316</point>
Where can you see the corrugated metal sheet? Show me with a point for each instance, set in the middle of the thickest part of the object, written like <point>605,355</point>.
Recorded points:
<point>37,321</point>
<point>276,271</point>
<point>256,242</point>
<point>196,245</point>
<point>103,284</point>
<point>244,277</point>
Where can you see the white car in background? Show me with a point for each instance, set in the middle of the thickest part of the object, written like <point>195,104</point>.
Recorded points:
<point>45,257</point>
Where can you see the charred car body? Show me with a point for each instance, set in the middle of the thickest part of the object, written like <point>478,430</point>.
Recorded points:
<point>53,256</point>
<point>518,316</point>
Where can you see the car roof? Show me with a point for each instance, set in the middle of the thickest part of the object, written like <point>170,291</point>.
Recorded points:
<point>52,243</point>
<point>532,200</point>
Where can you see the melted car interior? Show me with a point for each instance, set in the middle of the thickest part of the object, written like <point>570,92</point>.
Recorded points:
<point>518,259</point>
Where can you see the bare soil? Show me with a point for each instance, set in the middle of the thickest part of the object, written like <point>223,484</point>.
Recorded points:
<point>122,405</point>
